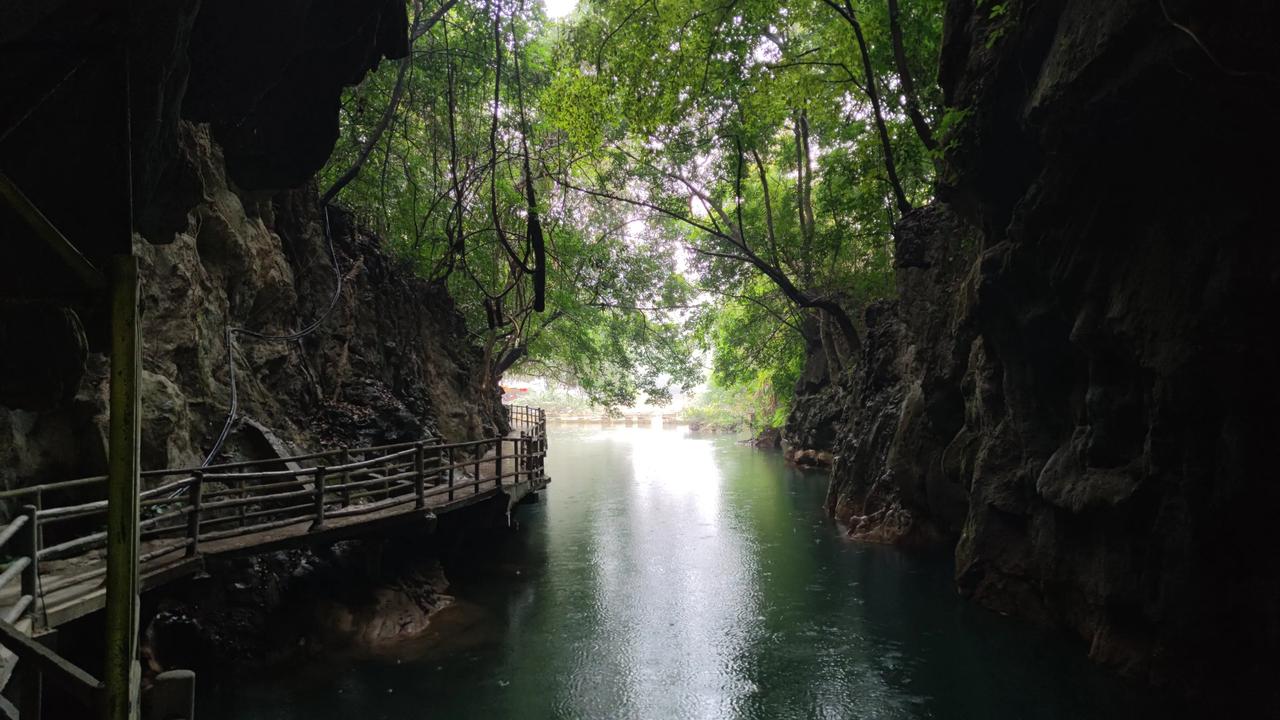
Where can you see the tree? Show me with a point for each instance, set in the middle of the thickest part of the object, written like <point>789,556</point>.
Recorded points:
<point>744,123</point>
<point>604,195</point>
<point>447,172</point>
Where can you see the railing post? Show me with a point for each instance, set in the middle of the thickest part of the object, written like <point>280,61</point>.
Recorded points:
<point>29,678</point>
<point>318,523</point>
<point>497,465</point>
<point>243,510</point>
<point>387,472</point>
<point>449,462</point>
<point>31,546</point>
<point>344,457</point>
<point>39,507</point>
<point>193,515</point>
<point>420,476</point>
<point>475,487</point>
<point>172,695</point>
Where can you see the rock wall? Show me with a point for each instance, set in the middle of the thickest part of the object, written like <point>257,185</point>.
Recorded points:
<point>809,434</point>
<point>267,77</point>
<point>902,441</point>
<point>251,613</point>
<point>390,361</point>
<point>231,101</point>
<point>1083,399</point>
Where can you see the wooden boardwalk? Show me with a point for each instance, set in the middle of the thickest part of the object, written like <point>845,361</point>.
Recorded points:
<point>249,508</point>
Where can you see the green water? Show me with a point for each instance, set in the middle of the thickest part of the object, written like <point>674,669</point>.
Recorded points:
<point>668,576</point>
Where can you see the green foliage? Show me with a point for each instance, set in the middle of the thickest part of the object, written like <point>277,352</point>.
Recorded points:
<point>557,401</point>
<point>998,14</point>
<point>708,177</point>
<point>721,409</point>
<point>445,186</point>
<point>749,122</point>
<point>751,407</point>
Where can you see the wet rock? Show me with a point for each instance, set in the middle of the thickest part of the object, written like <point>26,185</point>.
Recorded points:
<point>810,430</point>
<point>1081,400</point>
<point>767,439</point>
<point>390,362</point>
<point>251,613</point>
<point>903,453</point>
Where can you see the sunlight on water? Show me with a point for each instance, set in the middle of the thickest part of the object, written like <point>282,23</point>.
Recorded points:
<point>686,597</point>
<point>674,577</point>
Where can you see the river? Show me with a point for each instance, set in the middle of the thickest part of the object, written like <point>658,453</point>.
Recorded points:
<point>669,576</point>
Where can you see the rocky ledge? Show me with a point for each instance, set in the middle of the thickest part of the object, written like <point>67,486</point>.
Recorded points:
<point>355,597</point>
<point>1077,386</point>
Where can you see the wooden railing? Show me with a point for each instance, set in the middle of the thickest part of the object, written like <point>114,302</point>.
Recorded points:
<point>36,664</point>
<point>193,510</point>
<point>186,508</point>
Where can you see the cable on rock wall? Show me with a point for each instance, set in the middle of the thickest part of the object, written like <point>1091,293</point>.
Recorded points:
<point>234,332</point>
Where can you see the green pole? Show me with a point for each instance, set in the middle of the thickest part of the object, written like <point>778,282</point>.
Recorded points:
<point>121,669</point>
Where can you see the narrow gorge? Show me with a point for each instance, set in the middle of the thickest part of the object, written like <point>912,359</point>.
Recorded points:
<point>1002,277</point>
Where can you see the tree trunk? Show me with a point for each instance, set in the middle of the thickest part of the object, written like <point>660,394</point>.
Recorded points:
<point>508,359</point>
<point>376,135</point>
<point>891,168</point>
<point>904,75</point>
<point>416,31</point>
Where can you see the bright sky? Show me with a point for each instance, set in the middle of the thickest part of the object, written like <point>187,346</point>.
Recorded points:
<point>560,8</point>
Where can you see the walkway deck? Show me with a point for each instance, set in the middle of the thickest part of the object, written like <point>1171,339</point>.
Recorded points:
<point>251,508</point>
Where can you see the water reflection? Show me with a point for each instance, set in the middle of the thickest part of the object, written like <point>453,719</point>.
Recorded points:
<point>668,577</point>
<point>684,600</point>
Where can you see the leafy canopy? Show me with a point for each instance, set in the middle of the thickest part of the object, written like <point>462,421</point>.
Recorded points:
<point>706,176</point>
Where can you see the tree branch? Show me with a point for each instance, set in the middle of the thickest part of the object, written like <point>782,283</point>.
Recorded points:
<point>904,76</point>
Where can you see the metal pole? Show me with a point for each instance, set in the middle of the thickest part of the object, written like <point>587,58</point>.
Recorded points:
<point>39,507</point>
<point>121,668</point>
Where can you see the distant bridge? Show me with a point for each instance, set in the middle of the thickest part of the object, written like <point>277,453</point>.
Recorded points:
<point>58,553</point>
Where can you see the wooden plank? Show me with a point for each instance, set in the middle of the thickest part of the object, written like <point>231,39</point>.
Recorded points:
<point>299,537</point>
<point>77,597</point>
<point>93,598</point>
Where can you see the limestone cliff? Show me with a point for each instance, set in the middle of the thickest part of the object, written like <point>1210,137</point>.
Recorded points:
<point>389,361</point>
<point>1077,385</point>
<point>232,101</point>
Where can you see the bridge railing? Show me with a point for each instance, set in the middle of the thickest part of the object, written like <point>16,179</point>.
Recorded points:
<point>185,510</point>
